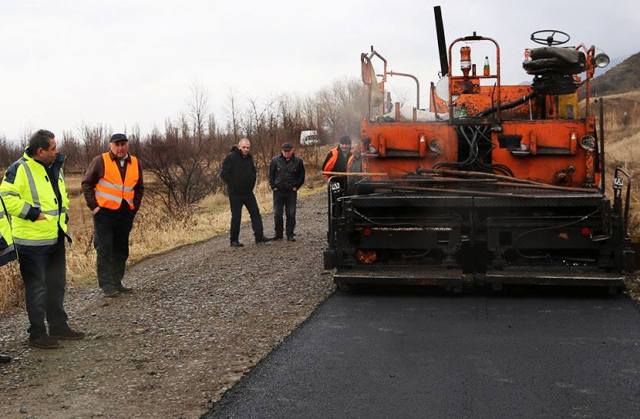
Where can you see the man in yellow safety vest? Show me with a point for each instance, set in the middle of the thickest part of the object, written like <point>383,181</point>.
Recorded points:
<point>35,195</point>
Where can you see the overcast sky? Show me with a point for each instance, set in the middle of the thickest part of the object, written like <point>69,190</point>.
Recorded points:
<point>121,63</point>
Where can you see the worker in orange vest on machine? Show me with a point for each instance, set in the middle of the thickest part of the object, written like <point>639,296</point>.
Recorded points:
<point>336,160</point>
<point>113,189</point>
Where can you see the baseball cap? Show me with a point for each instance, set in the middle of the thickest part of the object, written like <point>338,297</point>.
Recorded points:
<point>118,137</point>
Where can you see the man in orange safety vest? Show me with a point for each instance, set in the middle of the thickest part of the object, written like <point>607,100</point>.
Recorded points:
<point>113,189</point>
<point>337,159</point>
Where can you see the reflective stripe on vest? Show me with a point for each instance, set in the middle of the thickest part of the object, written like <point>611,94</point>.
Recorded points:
<point>111,189</point>
<point>32,182</point>
<point>7,250</point>
<point>28,242</point>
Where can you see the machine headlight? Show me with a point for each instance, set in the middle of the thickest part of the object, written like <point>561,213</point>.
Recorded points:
<point>588,142</point>
<point>601,60</point>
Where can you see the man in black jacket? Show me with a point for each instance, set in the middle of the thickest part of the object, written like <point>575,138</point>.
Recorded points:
<point>239,174</point>
<point>286,176</point>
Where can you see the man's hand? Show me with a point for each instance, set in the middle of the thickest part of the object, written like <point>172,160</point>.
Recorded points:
<point>95,210</point>
<point>295,189</point>
<point>40,217</point>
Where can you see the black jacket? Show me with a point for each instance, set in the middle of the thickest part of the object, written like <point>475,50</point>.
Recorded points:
<point>285,175</point>
<point>238,172</point>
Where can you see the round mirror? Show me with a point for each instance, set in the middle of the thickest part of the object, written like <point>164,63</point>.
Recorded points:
<point>442,88</point>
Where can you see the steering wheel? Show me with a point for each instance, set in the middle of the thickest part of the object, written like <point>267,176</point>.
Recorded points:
<point>547,37</point>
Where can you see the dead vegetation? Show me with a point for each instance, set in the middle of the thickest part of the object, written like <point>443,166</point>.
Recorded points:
<point>185,201</point>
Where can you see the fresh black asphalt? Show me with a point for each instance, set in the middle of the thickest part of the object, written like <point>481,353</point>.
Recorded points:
<point>402,355</point>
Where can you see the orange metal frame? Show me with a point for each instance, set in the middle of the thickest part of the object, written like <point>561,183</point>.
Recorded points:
<point>551,146</point>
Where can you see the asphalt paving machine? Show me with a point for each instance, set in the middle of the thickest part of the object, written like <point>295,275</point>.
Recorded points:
<point>492,184</point>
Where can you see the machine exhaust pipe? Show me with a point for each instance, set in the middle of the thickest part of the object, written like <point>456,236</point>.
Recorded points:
<point>442,44</point>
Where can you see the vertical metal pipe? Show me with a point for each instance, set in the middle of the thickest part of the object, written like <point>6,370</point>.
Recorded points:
<point>603,167</point>
<point>442,44</point>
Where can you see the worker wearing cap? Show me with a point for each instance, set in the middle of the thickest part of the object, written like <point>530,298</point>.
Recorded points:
<point>34,193</point>
<point>113,189</point>
<point>337,159</point>
<point>286,176</point>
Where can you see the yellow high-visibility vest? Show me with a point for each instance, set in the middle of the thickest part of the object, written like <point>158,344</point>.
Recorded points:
<point>26,185</point>
<point>7,250</point>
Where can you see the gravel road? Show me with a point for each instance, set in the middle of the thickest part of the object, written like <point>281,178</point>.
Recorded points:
<point>200,317</point>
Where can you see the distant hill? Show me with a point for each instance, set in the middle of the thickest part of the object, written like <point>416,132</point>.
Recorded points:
<point>614,62</point>
<point>624,77</point>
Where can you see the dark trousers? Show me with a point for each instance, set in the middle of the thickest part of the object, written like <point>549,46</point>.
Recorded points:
<point>43,273</point>
<point>111,240</point>
<point>284,200</point>
<point>248,200</point>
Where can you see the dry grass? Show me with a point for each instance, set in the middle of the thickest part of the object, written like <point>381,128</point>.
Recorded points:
<point>154,231</point>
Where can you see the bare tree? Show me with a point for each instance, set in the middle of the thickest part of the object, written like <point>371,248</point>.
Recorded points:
<point>198,108</point>
<point>234,119</point>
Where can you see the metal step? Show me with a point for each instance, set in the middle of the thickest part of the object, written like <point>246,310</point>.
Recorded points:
<point>434,276</point>
<point>567,276</point>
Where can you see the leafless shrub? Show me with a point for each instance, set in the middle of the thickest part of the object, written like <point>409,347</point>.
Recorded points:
<point>183,165</point>
<point>9,153</point>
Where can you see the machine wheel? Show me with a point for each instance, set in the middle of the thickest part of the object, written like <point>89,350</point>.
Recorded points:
<point>615,290</point>
<point>455,289</point>
<point>497,287</point>
<point>344,288</point>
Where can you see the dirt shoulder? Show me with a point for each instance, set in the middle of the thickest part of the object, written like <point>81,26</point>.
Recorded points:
<point>201,316</point>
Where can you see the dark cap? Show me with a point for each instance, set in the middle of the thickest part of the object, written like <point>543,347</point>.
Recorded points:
<point>287,146</point>
<point>345,140</point>
<point>118,137</point>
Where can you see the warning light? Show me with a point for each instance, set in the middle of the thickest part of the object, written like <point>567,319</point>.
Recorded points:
<point>366,232</point>
<point>585,231</point>
<point>366,256</point>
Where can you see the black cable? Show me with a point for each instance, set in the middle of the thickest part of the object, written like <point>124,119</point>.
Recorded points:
<point>506,106</point>
<point>535,230</point>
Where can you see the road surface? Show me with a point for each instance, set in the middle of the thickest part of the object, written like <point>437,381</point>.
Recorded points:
<point>377,355</point>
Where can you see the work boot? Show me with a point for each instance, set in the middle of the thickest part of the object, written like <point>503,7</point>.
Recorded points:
<point>110,293</point>
<point>66,334</point>
<point>44,342</point>
<point>5,359</point>
<point>121,288</point>
<point>236,244</point>
<point>277,238</point>
<point>291,239</point>
<point>263,239</point>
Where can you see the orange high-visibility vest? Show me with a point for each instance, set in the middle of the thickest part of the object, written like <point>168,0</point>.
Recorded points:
<point>110,189</point>
<point>332,161</point>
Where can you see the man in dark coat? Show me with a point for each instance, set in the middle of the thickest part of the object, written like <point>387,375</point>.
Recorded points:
<point>239,174</point>
<point>286,176</point>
